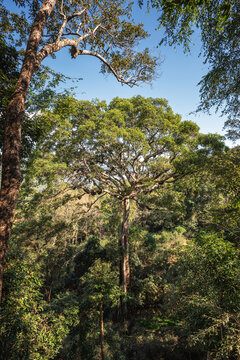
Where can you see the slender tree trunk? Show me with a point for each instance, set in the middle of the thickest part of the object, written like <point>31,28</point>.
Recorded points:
<point>101,328</point>
<point>124,251</point>
<point>11,172</point>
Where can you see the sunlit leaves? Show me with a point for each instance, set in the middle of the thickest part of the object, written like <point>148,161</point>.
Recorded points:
<point>218,22</point>
<point>104,28</point>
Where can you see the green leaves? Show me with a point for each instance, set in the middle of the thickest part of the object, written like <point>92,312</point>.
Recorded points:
<point>209,294</point>
<point>132,148</point>
<point>218,22</point>
<point>101,28</point>
<point>101,283</point>
<point>30,327</point>
<point>127,148</point>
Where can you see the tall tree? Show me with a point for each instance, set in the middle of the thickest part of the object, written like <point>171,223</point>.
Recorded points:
<point>103,29</point>
<point>218,22</point>
<point>41,93</point>
<point>100,288</point>
<point>129,148</point>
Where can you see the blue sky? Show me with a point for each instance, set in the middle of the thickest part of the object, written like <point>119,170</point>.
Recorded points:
<point>177,82</point>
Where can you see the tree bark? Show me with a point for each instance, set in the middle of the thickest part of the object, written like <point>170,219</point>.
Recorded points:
<point>124,253</point>
<point>101,328</point>
<point>11,171</point>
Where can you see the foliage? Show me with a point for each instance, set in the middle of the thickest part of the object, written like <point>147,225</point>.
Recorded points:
<point>41,94</point>
<point>218,23</point>
<point>128,148</point>
<point>183,297</point>
<point>30,327</point>
<point>103,29</point>
<point>62,268</point>
<point>100,283</point>
<point>8,72</point>
<point>207,295</point>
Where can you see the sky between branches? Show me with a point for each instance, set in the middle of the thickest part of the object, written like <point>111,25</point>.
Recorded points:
<point>177,80</point>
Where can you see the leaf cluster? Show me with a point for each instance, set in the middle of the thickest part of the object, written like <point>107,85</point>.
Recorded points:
<point>218,22</point>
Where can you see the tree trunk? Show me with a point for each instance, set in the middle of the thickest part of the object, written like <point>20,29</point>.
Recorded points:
<point>101,328</point>
<point>11,171</point>
<point>124,253</point>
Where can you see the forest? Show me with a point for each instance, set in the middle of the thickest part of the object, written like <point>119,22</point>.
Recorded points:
<point>120,220</point>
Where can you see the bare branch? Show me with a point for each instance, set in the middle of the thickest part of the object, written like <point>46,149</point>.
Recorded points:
<point>78,13</point>
<point>60,44</point>
<point>130,81</point>
<point>54,47</point>
<point>127,173</point>
<point>61,29</point>
<point>107,180</point>
<point>66,20</point>
<point>61,10</point>
<point>153,155</point>
<point>95,201</point>
<point>71,33</point>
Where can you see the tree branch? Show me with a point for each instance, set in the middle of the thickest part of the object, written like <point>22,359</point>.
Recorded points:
<point>130,81</point>
<point>95,201</point>
<point>60,44</point>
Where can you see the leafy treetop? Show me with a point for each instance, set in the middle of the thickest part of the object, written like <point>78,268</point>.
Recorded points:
<point>104,29</point>
<point>130,147</point>
<point>218,22</point>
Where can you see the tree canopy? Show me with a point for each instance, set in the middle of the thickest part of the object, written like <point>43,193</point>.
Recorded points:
<point>125,243</point>
<point>177,243</point>
<point>103,29</point>
<point>218,23</point>
<point>129,147</point>
<point>126,149</point>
